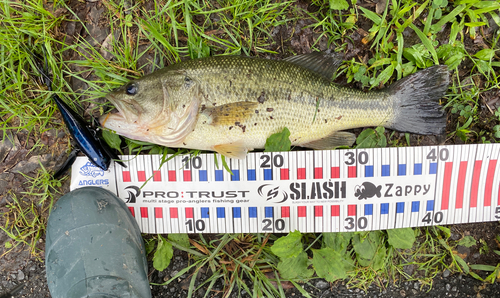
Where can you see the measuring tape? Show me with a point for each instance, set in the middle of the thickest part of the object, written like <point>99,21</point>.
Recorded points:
<point>308,191</point>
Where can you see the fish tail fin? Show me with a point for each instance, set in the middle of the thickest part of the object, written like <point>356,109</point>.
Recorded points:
<point>417,96</point>
<point>378,192</point>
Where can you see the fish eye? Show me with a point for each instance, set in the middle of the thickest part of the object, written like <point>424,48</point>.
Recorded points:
<point>131,89</point>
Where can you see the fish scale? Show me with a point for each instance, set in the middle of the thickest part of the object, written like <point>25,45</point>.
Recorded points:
<point>308,191</point>
<point>232,104</point>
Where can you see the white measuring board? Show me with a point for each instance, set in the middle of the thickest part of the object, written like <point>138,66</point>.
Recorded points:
<point>309,191</point>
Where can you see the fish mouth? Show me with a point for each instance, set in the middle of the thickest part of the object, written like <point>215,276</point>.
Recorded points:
<point>119,112</point>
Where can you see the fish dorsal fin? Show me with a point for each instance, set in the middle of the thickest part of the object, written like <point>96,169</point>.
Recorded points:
<point>230,113</point>
<point>232,150</point>
<point>323,63</point>
<point>336,139</point>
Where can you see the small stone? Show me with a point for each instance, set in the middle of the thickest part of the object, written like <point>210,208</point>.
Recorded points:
<point>448,287</point>
<point>446,273</point>
<point>454,289</point>
<point>416,286</point>
<point>321,284</point>
<point>20,275</point>
<point>172,289</point>
<point>402,293</point>
<point>476,255</point>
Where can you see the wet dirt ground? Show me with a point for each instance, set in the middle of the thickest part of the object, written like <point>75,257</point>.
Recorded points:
<point>18,154</point>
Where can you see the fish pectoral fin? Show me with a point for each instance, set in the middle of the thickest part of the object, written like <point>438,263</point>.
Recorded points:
<point>230,113</point>
<point>232,150</point>
<point>323,63</point>
<point>336,139</point>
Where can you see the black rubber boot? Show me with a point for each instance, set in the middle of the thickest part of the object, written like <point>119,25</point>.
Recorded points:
<point>94,248</point>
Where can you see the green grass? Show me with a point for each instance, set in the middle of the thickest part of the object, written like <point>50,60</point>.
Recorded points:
<point>403,37</point>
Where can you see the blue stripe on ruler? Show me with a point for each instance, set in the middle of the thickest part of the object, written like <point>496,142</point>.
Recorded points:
<point>430,205</point>
<point>415,206</point>
<point>236,175</point>
<point>369,209</point>
<point>252,212</point>
<point>251,175</point>
<point>219,175</point>
<point>268,211</point>
<point>401,170</point>
<point>205,212</point>
<point>221,212</point>
<point>384,208</point>
<point>236,212</point>
<point>368,171</point>
<point>268,174</point>
<point>400,207</point>
<point>386,170</point>
<point>203,175</point>
<point>417,170</point>
<point>433,168</point>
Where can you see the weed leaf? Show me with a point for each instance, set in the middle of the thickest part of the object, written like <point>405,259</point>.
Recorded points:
<point>337,241</point>
<point>366,245</point>
<point>339,4</point>
<point>288,246</point>
<point>181,239</point>
<point>163,254</point>
<point>482,267</point>
<point>401,238</point>
<point>330,264</point>
<point>467,241</point>
<point>279,141</point>
<point>112,139</point>
<point>295,267</point>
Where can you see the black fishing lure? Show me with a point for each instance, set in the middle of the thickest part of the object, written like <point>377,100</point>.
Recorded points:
<point>87,137</point>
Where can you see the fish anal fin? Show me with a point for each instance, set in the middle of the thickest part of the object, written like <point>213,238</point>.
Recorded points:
<point>232,150</point>
<point>230,113</point>
<point>336,139</point>
<point>323,63</point>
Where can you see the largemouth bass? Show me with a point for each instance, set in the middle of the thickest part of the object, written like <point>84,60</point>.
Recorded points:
<point>232,104</point>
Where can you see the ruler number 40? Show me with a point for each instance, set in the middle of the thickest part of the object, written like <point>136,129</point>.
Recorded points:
<point>438,217</point>
<point>443,154</point>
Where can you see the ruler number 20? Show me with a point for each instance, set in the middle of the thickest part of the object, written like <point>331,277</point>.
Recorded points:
<point>277,161</point>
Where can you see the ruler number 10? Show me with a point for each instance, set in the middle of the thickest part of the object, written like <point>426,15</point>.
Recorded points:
<point>199,225</point>
<point>194,162</point>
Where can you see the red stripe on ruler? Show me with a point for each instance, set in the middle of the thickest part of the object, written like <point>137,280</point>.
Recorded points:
<point>158,212</point>
<point>301,173</point>
<point>335,172</point>
<point>284,174</point>
<point>351,172</point>
<point>489,182</point>
<point>318,173</point>
<point>351,210</point>
<point>461,185</point>
<point>285,211</point>
<point>173,212</point>
<point>318,211</point>
<point>335,210</point>
<point>141,176</point>
<point>171,176</point>
<point>156,175</point>
<point>475,183</point>
<point>126,176</point>
<point>302,211</point>
<point>187,176</point>
<point>132,211</point>
<point>448,167</point>
<point>189,212</point>
<point>144,212</point>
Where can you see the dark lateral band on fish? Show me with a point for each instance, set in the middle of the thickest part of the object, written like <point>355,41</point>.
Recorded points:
<point>232,104</point>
